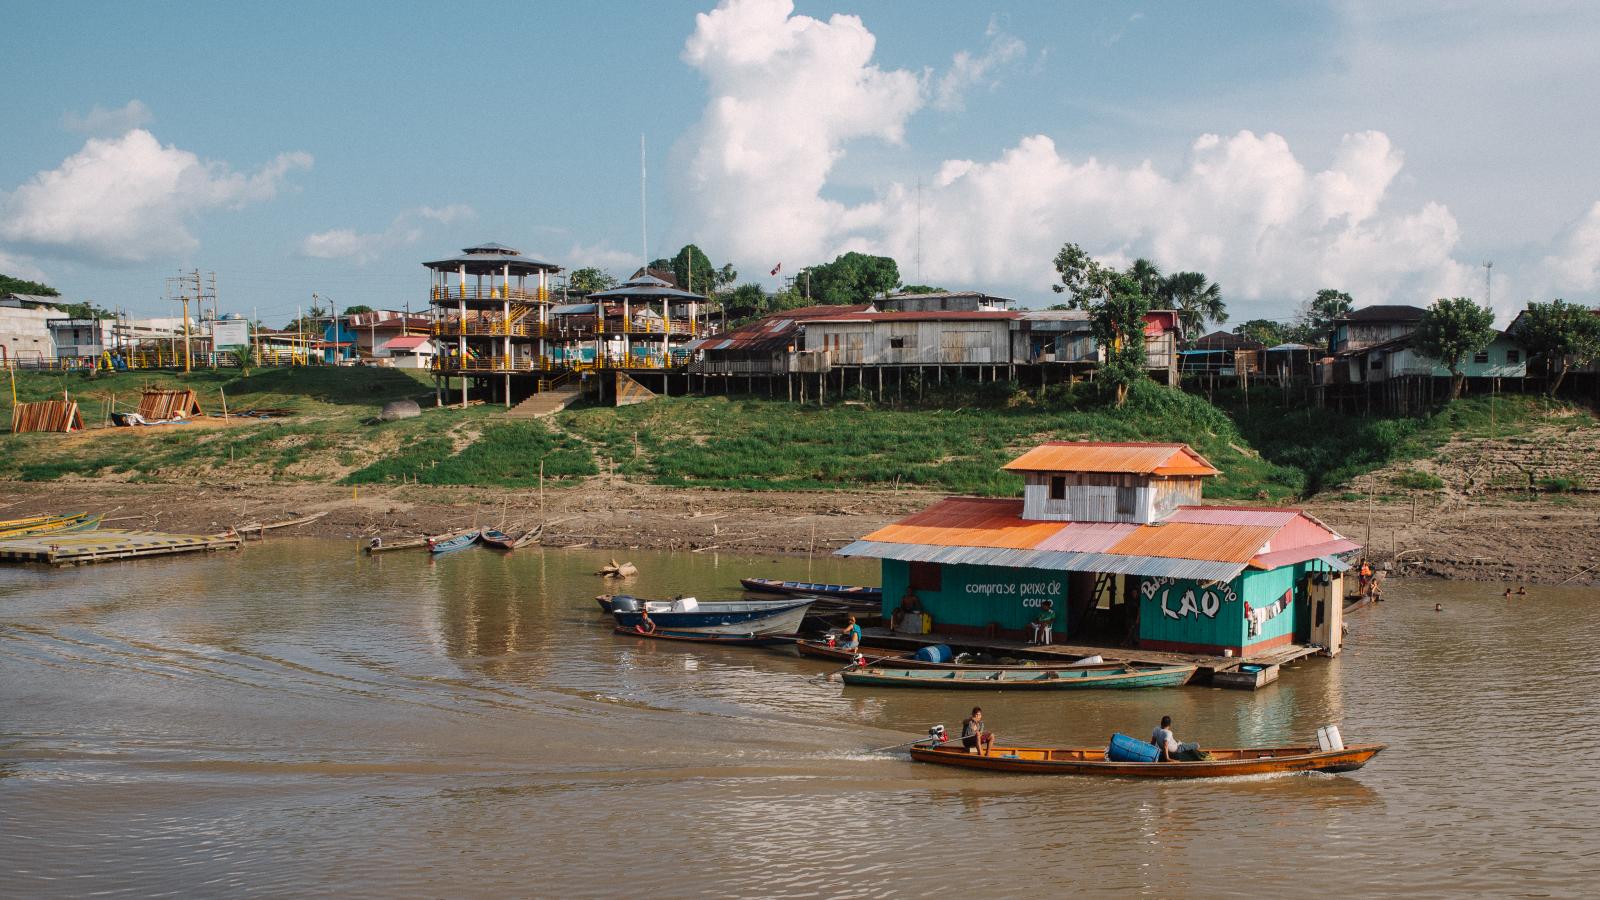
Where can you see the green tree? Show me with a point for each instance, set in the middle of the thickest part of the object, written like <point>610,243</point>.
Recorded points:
<point>1320,311</point>
<point>1147,276</point>
<point>12,285</point>
<point>1082,277</point>
<point>1561,334</point>
<point>920,289</point>
<point>1196,298</point>
<point>353,310</point>
<point>590,279</point>
<point>1452,330</point>
<point>747,296</point>
<point>1118,324</point>
<point>851,278</point>
<point>1264,330</point>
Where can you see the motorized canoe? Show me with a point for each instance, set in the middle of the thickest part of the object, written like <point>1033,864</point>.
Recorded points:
<point>1092,761</point>
<point>498,539</point>
<point>699,637</point>
<point>450,543</point>
<point>907,659</point>
<point>1027,678</point>
<point>687,614</point>
<point>813,589</point>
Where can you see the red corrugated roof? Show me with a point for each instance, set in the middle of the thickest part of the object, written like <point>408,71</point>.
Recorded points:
<point>1100,456</point>
<point>407,342</point>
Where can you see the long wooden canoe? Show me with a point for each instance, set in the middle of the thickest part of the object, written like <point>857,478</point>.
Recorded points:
<point>696,637</point>
<point>813,589</point>
<point>1092,761</point>
<point>449,543</point>
<point>907,659</point>
<point>35,525</point>
<point>502,541</point>
<point>1025,679</point>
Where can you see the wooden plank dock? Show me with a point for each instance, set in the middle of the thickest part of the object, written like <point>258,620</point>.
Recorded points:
<point>107,544</point>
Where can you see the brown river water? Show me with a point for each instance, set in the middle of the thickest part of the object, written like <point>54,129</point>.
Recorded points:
<point>297,719</point>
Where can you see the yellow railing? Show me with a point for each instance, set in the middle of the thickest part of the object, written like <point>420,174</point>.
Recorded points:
<point>496,292</point>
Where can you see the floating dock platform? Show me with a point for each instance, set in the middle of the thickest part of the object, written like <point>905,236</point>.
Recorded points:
<point>107,544</point>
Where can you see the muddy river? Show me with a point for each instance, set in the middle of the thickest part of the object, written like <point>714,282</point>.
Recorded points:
<point>298,719</point>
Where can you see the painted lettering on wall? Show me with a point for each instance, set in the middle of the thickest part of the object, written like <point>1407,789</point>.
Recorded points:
<point>1202,602</point>
<point>1015,589</point>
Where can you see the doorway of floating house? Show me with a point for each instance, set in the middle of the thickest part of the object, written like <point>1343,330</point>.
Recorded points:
<point>1101,608</point>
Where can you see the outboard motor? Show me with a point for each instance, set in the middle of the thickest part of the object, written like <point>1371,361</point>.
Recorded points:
<point>937,735</point>
<point>832,640</point>
<point>624,604</point>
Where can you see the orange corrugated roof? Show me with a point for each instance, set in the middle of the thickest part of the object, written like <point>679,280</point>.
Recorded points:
<point>1099,456</point>
<point>1188,540</point>
<point>969,522</point>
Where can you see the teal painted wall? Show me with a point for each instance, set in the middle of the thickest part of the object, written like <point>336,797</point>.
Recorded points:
<point>1261,588</point>
<point>1189,612</point>
<point>976,596</point>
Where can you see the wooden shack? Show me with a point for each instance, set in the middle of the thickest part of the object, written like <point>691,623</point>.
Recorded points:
<point>46,415</point>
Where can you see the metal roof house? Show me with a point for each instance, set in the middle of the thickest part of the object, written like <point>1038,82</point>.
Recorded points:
<point>1113,535</point>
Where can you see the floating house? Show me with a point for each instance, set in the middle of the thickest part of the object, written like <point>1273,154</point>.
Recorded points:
<point>1114,536</point>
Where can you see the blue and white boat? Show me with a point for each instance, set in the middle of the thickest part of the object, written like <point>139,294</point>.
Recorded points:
<point>449,543</point>
<point>739,617</point>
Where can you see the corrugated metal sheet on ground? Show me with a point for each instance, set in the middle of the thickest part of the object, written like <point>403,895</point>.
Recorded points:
<point>1201,570</point>
<point>969,522</point>
<point>1095,456</point>
<point>1292,555</point>
<point>1229,543</point>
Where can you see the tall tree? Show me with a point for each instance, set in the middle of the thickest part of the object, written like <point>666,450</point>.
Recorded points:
<point>354,310</point>
<point>1320,311</point>
<point>1452,330</point>
<point>1561,334</point>
<point>1147,276</point>
<point>1083,278</point>
<point>12,285</point>
<point>589,279</point>
<point>851,278</point>
<point>1196,298</point>
<point>1118,324</point>
<point>1264,330</point>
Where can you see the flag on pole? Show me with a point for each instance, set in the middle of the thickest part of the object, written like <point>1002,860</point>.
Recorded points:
<point>777,268</point>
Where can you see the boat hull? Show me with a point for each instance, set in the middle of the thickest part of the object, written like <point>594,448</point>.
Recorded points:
<point>696,637</point>
<point>906,659</point>
<point>452,544</point>
<point>1025,679</point>
<point>1090,761</point>
<point>778,617</point>
<point>814,589</point>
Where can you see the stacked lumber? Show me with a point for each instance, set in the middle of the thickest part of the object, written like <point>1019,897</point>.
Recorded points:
<point>160,406</point>
<point>46,415</point>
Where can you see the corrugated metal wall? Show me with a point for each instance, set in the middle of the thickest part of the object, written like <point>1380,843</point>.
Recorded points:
<point>929,343</point>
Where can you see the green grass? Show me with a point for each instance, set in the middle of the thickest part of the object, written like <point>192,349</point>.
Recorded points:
<point>1560,485</point>
<point>505,454</point>
<point>1411,479</point>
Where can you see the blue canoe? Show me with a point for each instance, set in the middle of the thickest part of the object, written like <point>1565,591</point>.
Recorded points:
<point>813,589</point>
<point>742,617</point>
<point>1012,679</point>
<point>453,542</point>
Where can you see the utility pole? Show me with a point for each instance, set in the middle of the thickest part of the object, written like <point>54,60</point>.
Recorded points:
<point>1488,283</point>
<point>187,286</point>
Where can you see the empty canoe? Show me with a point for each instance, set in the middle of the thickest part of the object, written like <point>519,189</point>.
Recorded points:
<point>906,659</point>
<point>699,637</point>
<point>1027,678</point>
<point>761,617</point>
<point>1092,761</point>
<point>453,542</point>
<point>813,589</point>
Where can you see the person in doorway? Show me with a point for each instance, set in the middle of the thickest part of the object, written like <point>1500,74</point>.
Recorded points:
<point>1165,742</point>
<point>973,734</point>
<point>646,624</point>
<point>910,605</point>
<point>1044,624</point>
<point>851,638</point>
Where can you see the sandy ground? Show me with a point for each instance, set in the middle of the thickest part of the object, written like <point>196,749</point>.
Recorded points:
<point>1496,540</point>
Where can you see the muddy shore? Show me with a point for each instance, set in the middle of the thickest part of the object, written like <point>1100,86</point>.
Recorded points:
<point>1496,540</point>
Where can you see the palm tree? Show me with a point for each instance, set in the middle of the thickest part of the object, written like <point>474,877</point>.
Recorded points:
<point>1196,299</point>
<point>1145,274</point>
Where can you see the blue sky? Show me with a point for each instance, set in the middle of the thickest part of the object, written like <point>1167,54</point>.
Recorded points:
<point>1386,148</point>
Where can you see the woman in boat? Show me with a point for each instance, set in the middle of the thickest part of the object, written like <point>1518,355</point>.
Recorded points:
<point>973,735</point>
<point>851,639</point>
<point>646,624</point>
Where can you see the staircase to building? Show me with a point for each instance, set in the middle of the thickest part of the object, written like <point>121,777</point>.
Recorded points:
<point>554,395</point>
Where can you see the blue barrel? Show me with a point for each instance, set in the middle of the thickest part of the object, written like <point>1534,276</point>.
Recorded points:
<point>1127,749</point>
<point>935,653</point>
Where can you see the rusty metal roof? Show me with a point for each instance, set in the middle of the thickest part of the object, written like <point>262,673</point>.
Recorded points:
<point>1099,456</point>
<point>1234,515</point>
<point>1185,540</point>
<point>1201,570</point>
<point>969,522</point>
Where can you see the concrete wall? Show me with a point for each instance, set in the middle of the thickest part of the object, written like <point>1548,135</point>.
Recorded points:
<point>24,335</point>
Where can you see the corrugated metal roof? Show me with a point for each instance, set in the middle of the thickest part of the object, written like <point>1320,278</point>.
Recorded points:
<point>645,286</point>
<point>1234,515</point>
<point>1202,570</point>
<point>949,315</point>
<point>1099,456</point>
<point>1229,543</point>
<point>1088,537</point>
<point>970,522</point>
<point>406,342</point>
<point>1294,555</point>
<point>574,309</point>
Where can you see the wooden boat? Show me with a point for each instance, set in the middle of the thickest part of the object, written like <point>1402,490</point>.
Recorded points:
<point>907,659</point>
<point>502,541</point>
<point>813,589</point>
<point>1025,679</point>
<point>453,542</point>
<point>35,525</point>
<point>739,617</point>
<point>1092,761</point>
<point>698,637</point>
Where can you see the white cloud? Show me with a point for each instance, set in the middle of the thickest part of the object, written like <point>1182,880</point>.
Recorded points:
<point>968,70</point>
<point>21,267</point>
<point>603,256</point>
<point>406,228</point>
<point>130,199</point>
<point>1573,270</point>
<point>102,122</point>
<point>786,94</point>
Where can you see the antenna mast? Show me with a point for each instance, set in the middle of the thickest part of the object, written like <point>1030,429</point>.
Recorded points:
<point>1488,283</point>
<point>644,231</point>
<point>919,229</point>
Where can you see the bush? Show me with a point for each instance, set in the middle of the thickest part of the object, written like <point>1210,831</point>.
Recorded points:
<point>1560,485</point>
<point>1417,481</point>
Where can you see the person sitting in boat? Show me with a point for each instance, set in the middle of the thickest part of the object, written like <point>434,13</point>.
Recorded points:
<point>1169,749</point>
<point>851,638</point>
<point>646,624</point>
<point>1044,624</point>
<point>973,735</point>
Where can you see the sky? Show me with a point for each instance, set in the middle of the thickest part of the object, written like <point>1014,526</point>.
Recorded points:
<point>1385,148</point>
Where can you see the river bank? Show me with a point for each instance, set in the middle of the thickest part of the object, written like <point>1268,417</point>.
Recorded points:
<point>1539,542</point>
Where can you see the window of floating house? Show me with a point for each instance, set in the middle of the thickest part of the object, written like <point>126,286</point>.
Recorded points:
<point>1513,356</point>
<point>1376,361</point>
<point>1126,497</point>
<point>925,576</point>
<point>897,342</point>
<point>1058,487</point>
<point>1481,357</point>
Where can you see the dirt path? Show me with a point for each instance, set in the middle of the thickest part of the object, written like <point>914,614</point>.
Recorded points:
<point>1506,539</point>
